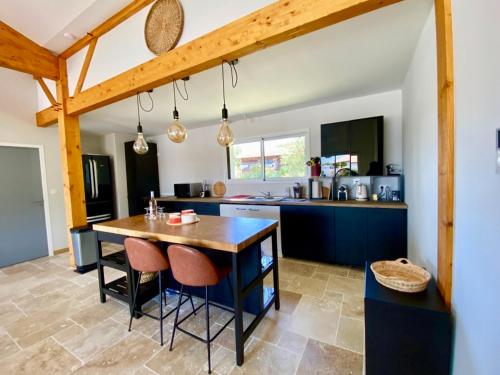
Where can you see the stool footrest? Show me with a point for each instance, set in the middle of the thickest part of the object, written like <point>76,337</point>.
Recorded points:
<point>164,316</point>
<point>195,310</point>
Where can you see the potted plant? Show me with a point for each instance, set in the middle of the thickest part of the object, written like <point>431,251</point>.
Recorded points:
<point>315,165</point>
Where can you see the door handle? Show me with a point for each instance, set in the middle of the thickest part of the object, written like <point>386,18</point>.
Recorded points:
<point>40,203</point>
<point>92,184</point>
<point>96,179</point>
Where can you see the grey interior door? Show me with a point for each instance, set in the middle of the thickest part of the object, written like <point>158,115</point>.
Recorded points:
<point>23,233</point>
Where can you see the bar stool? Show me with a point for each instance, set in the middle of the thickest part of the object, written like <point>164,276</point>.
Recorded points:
<point>145,256</point>
<point>192,268</point>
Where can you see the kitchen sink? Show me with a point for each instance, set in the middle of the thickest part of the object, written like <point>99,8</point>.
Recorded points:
<point>265,199</point>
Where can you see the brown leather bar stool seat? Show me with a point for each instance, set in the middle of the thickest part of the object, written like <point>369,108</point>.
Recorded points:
<point>192,268</point>
<point>145,256</point>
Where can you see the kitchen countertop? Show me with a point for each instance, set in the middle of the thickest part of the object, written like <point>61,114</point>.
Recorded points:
<point>323,202</point>
<point>231,234</point>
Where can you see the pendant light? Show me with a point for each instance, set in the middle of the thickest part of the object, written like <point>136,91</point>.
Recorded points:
<point>225,135</point>
<point>140,144</point>
<point>177,132</point>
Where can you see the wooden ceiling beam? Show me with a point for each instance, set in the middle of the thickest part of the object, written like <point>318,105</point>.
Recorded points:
<point>46,90</point>
<point>85,66</point>
<point>124,14</point>
<point>273,24</point>
<point>20,53</point>
<point>47,117</point>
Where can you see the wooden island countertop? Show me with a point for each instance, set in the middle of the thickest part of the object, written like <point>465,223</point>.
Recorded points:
<point>231,234</point>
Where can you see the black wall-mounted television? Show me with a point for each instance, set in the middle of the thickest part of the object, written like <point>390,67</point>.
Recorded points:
<point>356,144</point>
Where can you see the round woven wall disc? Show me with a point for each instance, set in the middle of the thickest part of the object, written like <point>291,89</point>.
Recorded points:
<point>164,26</point>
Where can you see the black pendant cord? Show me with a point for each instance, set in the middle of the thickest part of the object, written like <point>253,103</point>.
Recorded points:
<point>234,82</point>
<point>174,89</point>
<point>175,100</point>
<point>139,126</point>
<point>185,89</point>
<point>150,98</point>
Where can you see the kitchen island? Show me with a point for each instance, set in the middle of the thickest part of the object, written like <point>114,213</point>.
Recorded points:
<point>235,239</point>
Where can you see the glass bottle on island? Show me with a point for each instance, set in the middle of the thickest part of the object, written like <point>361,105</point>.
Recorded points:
<point>153,207</point>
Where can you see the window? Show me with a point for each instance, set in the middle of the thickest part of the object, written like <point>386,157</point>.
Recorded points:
<point>268,158</point>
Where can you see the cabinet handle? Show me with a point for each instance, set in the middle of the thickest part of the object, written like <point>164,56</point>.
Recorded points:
<point>254,209</point>
<point>240,209</point>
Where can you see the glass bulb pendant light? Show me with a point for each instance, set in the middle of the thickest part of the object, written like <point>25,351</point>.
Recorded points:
<point>140,145</point>
<point>225,135</point>
<point>176,132</point>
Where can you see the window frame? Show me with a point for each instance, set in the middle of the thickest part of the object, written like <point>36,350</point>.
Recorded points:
<point>263,179</point>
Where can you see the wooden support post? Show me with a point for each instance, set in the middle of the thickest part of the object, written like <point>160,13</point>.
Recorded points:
<point>85,66</point>
<point>71,160</point>
<point>446,152</point>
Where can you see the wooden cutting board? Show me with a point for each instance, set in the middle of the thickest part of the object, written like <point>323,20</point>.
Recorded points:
<point>219,189</point>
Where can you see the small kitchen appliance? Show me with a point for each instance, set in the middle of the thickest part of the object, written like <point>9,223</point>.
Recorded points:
<point>188,190</point>
<point>342,193</point>
<point>297,190</point>
<point>361,192</point>
<point>315,190</point>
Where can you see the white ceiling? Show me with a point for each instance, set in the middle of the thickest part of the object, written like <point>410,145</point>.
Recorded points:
<point>362,56</point>
<point>46,21</point>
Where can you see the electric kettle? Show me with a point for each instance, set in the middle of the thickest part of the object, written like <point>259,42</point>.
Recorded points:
<point>361,192</point>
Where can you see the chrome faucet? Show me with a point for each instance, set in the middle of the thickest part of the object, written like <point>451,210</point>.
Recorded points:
<point>266,194</point>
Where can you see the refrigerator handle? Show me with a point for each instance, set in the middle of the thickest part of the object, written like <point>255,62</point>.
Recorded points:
<point>96,179</point>
<point>92,184</point>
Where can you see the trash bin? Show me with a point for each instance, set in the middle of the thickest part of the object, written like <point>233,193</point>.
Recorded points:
<point>84,241</point>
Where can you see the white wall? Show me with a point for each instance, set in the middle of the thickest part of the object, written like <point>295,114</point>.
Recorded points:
<point>92,143</point>
<point>113,146</point>
<point>420,149</point>
<point>18,104</point>
<point>476,263</point>
<point>200,157</point>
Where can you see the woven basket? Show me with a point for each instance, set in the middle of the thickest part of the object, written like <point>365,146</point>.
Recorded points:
<point>401,275</point>
<point>146,277</point>
<point>164,26</point>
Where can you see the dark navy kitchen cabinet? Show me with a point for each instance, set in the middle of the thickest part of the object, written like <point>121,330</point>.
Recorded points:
<point>201,208</point>
<point>307,232</point>
<point>385,234</point>
<point>369,234</point>
<point>350,235</point>
<point>406,333</point>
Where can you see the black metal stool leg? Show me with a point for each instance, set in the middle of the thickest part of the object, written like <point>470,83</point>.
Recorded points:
<point>134,300</point>
<point>192,304</point>
<point>176,317</point>
<point>207,312</point>
<point>161,308</point>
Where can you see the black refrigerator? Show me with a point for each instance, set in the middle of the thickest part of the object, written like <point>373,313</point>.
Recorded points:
<point>98,188</point>
<point>142,177</point>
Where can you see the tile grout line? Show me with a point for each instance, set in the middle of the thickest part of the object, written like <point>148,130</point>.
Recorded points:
<point>21,310</point>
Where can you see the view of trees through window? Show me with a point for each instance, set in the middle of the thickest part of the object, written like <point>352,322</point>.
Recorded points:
<point>269,158</point>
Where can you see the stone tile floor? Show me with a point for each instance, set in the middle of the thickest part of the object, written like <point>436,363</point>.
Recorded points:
<point>51,322</point>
